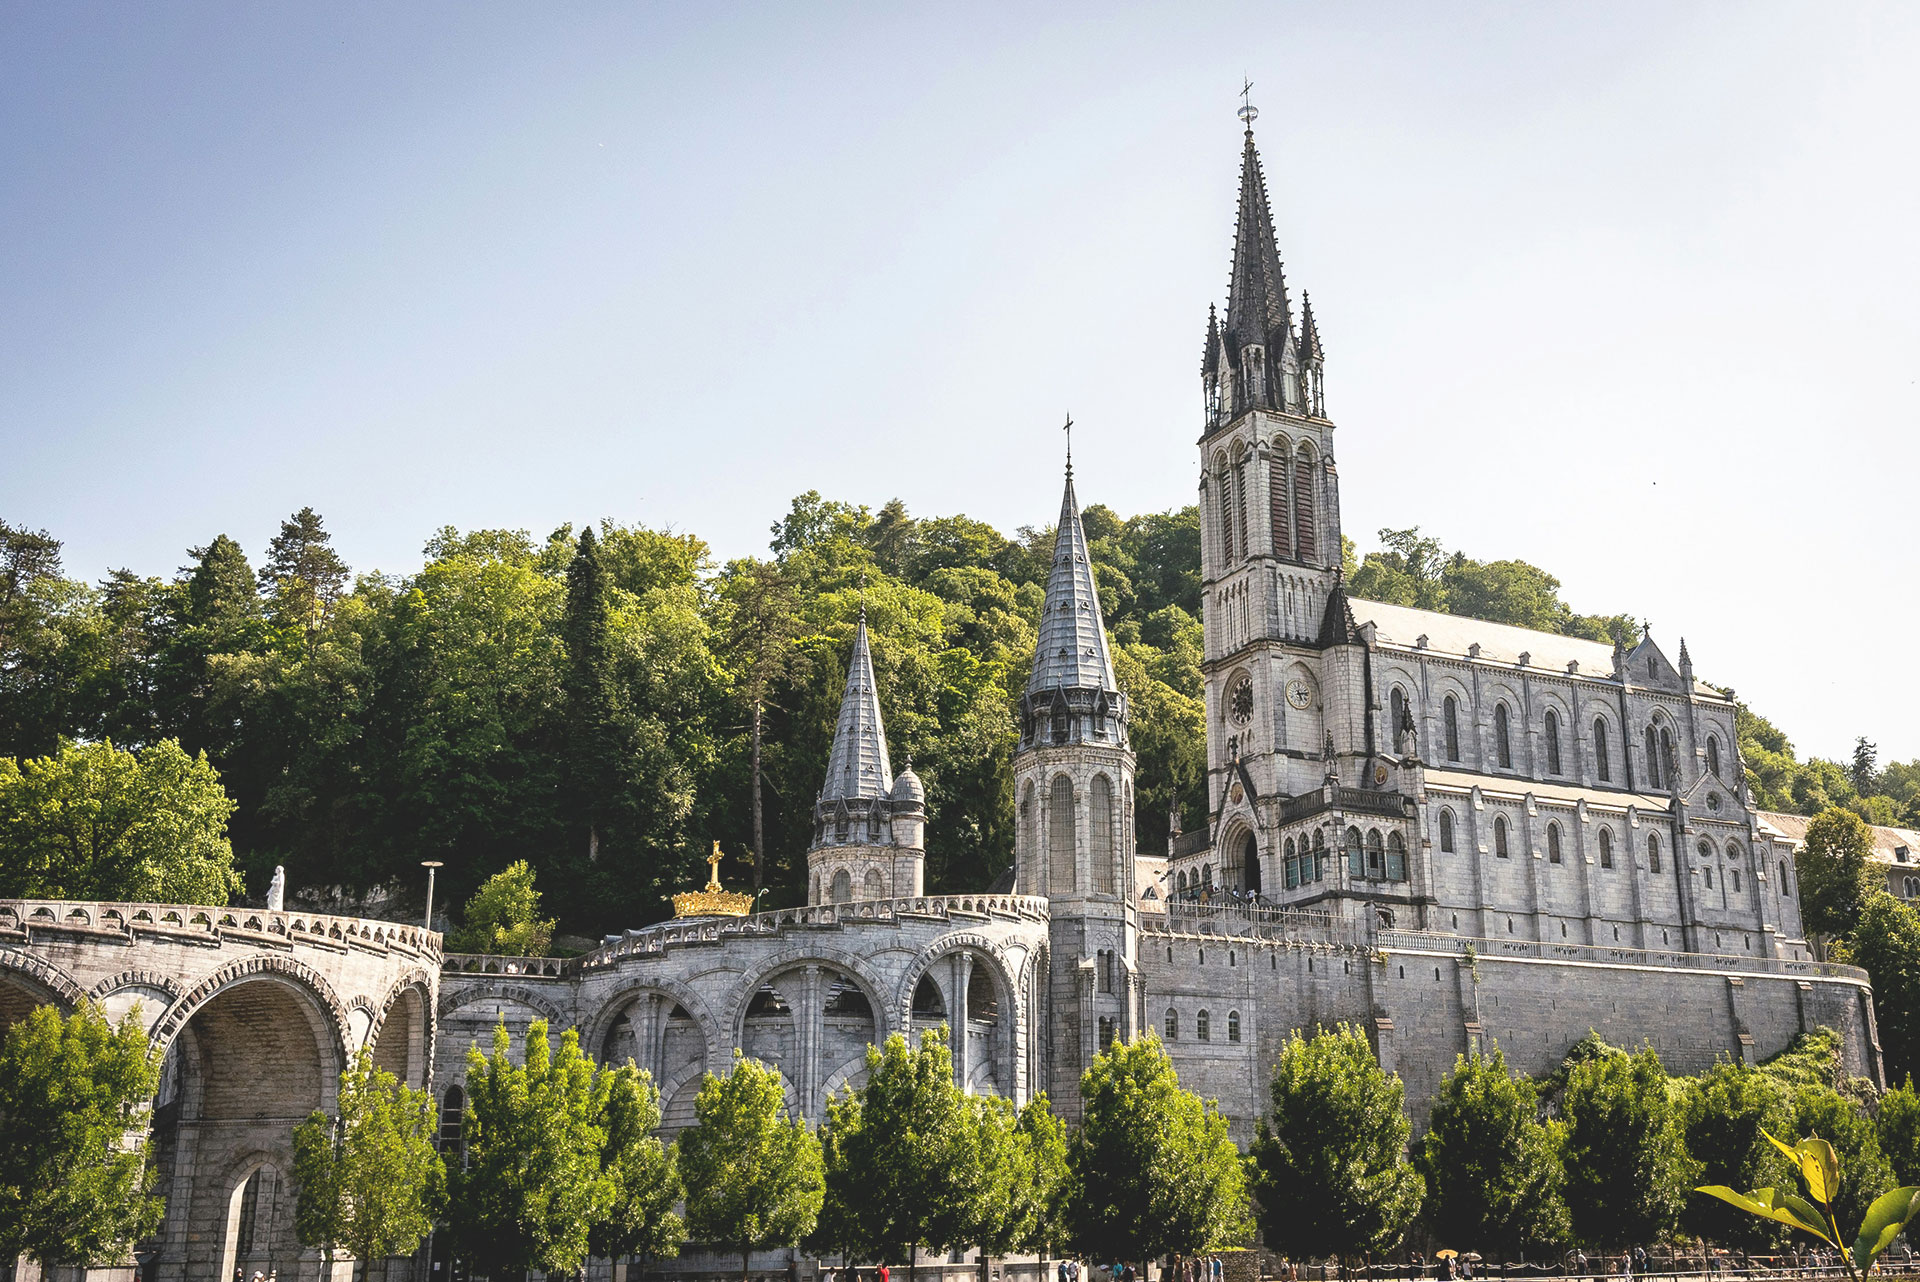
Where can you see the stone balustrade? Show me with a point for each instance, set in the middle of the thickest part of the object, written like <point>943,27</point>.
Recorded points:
<point>20,919</point>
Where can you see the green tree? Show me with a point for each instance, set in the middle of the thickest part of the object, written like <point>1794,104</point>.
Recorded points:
<point>535,1133</point>
<point>1833,874</point>
<point>503,917</point>
<point>903,1167</point>
<point>759,615</point>
<point>1331,1153</point>
<point>1897,1126</point>
<point>753,1175</point>
<point>1492,1167</point>
<point>368,1181</point>
<point>1843,1123</point>
<point>304,578</point>
<point>639,1219</point>
<point>1151,1171</point>
<point>1886,941</point>
<point>1728,1113</point>
<point>95,822</point>
<point>1626,1158</point>
<point>73,1192</point>
<point>598,745</point>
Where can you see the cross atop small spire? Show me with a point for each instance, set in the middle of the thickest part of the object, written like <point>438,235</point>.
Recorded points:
<point>1068,429</point>
<point>1248,113</point>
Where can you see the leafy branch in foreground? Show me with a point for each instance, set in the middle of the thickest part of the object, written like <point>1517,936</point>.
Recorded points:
<point>1819,1168</point>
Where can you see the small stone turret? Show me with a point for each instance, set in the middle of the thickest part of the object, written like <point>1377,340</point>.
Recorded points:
<point>868,827</point>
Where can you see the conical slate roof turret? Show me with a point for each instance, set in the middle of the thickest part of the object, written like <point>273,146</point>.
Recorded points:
<point>858,765</point>
<point>1072,653</point>
<point>1309,331</point>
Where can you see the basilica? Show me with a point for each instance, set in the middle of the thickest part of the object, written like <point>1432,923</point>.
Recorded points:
<point>1444,832</point>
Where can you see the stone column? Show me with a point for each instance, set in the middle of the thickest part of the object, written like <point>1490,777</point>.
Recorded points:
<point>962,964</point>
<point>809,1030</point>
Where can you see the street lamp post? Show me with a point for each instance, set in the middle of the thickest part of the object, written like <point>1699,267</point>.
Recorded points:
<point>430,865</point>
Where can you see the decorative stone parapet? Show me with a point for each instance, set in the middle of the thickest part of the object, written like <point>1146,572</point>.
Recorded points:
<point>21,919</point>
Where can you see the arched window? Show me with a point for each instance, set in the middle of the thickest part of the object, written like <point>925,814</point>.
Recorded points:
<point>1450,715</point>
<point>1100,834</point>
<point>842,887</point>
<point>1602,755</point>
<point>1277,516</point>
<point>1249,864</point>
<point>1291,865</point>
<point>1709,872</point>
<point>1910,886</point>
<point>1181,883</point>
<point>1030,843</point>
<point>1171,1026</point>
<point>1553,743</point>
<point>1446,831</point>
<point>1785,889</point>
<point>1713,755</point>
<point>874,885</point>
<point>1305,511</point>
<point>1233,1025</point>
<point>1206,875</point>
<point>1667,763</point>
<point>1653,759</point>
<point>1356,857</point>
<point>1396,857</point>
<point>1553,843</point>
<point>1397,710</point>
<point>1502,744</point>
<point>1606,847</point>
<point>1319,855</point>
<point>1201,1027</point>
<point>1500,836</point>
<point>1653,852</point>
<point>1225,506</point>
<point>1733,876</point>
<point>1240,498</point>
<point>1060,837</point>
<point>1376,855</point>
<point>840,827</point>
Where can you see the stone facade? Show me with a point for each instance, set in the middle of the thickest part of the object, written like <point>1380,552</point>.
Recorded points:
<point>1445,832</point>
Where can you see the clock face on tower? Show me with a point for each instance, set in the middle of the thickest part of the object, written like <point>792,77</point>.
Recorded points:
<point>1240,705</point>
<point>1299,694</point>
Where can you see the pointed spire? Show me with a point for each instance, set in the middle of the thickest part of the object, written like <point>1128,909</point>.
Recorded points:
<point>1072,652</point>
<point>1257,307</point>
<point>1210,358</point>
<point>1309,331</point>
<point>1337,625</point>
<point>858,766</point>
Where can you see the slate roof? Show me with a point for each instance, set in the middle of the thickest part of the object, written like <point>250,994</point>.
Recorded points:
<point>858,765</point>
<point>1520,785</point>
<point>1887,842</point>
<point>1257,307</point>
<point>1072,651</point>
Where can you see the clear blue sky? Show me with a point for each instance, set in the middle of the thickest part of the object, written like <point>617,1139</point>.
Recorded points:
<point>1625,290</point>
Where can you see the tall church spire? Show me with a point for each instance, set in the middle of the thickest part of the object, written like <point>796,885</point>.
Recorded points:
<point>1072,653</point>
<point>858,765</point>
<point>1258,311</point>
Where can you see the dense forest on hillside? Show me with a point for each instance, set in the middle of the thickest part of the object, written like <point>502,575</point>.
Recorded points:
<point>589,701</point>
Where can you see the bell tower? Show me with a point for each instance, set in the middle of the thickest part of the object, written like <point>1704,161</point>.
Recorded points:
<point>1073,789</point>
<point>1280,718</point>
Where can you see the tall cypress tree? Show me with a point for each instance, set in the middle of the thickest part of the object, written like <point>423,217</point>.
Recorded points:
<point>597,749</point>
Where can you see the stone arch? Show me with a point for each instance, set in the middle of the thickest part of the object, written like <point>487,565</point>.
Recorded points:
<point>992,1052</point>
<point>242,970</point>
<point>595,1029</point>
<point>467,995</point>
<point>27,981</point>
<point>254,1202</point>
<point>404,1046</point>
<point>838,959</point>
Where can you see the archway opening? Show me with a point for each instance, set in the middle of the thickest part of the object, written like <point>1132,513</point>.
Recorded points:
<point>401,1045</point>
<point>241,1074</point>
<point>1250,863</point>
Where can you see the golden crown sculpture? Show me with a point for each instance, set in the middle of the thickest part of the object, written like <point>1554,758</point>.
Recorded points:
<point>711,901</point>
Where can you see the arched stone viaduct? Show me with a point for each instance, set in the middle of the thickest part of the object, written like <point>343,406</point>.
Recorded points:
<point>257,1012</point>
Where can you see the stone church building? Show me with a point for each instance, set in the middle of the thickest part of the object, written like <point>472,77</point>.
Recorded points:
<point>1443,831</point>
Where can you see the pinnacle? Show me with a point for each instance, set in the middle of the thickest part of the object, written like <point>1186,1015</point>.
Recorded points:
<point>858,765</point>
<point>1072,649</point>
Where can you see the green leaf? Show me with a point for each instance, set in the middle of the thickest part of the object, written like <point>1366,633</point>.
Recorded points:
<point>1820,1167</point>
<point>1890,1213</point>
<point>1771,1204</point>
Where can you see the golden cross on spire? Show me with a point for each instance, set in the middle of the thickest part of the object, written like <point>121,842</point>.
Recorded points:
<point>713,860</point>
